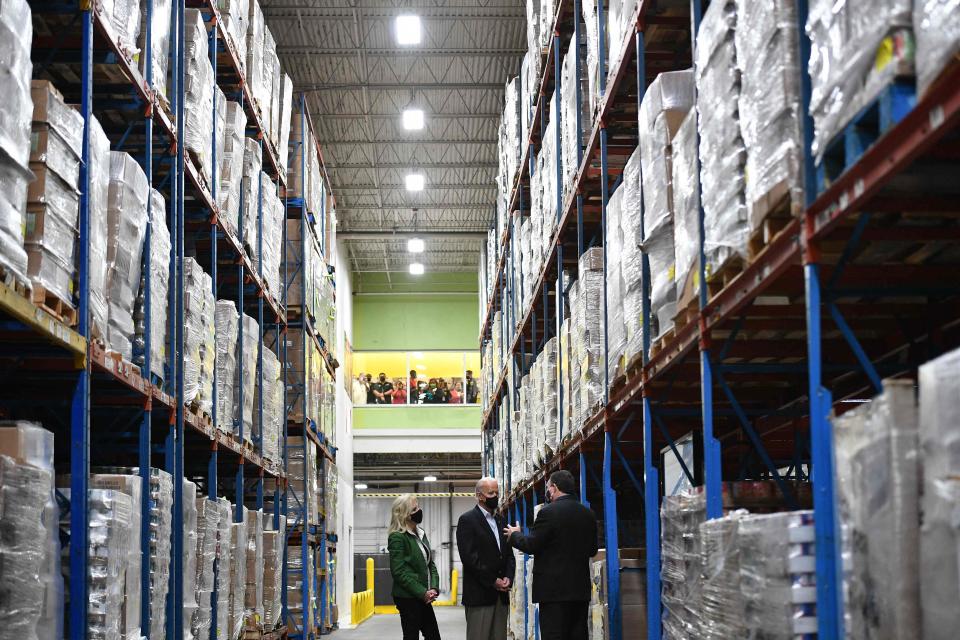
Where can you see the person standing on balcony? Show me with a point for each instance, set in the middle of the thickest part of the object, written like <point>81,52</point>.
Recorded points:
<point>472,391</point>
<point>400,394</point>
<point>414,387</point>
<point>488,565</point>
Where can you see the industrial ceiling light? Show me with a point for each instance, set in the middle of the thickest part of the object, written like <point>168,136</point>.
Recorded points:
<point>429,478</point>
<point>408,29</point>
<point>415,245</point>
<point>413,119</point>
<point>359,486</point>
<point>414,182</point>
<point>416,269</point>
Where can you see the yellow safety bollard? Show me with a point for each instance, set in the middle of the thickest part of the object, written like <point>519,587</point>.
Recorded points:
<point>361,604</point>
<point>452,602</point>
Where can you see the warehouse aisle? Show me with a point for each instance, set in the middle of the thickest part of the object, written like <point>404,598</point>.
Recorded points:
<point>453,626</point>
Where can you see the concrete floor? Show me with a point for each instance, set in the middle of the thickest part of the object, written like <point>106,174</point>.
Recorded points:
<point>452,623</point>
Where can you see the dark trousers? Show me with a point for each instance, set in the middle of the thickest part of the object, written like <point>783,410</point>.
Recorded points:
<point>563,620</point>
<point>417,617</point>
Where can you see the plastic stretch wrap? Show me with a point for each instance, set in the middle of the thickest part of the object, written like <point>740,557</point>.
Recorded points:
<point>286,112</point>
<point>272,213</point>
<point>234,16</point>
<point>130,570</point>
<point>723,608</point>
<point>778,575</point>
<point>159,290</point>
<point>296,586</point>
<point>852,59</point>
<point>97,203</point>
<point>227,328</point>
<point>547,14</point>
<point>32,587</point>
<point>250,196</point>
<point>510,141</point>
<point>301,460</point>
<point>247,360</point>
<point>267,385</point>
<point>533,34</point>
<point>159,45</point>
<point>127,226</point>
<point>161,532</point>
<point>231,165</point>
<point>940,532</point>
<point>936,24</point>
<point>681,516</point>
<point>208,522</point>
<point>722,154</point>
<point>199,93</point>
<point>123,16</point>
<point>198,329</point>
<point>631,263</point>
<point>270,103</point>
<point>614,239</point>
<point>110,517</point>
<point>49,149</point>
<point>529,87</point>
<point>586,333</point>
<point>877,471</point>
<point>190,605</point>
<point>570,140</point>
<point>592,30</point>
<point>686,208</point>
<point>50,228</point>
<point>770,104</point>
<point>253,592</point>
<point>618,14</point>
<point>273,541</point>
<point>238,574</point>
<point>664,106</point>
<point>255,50</point>
<point>224,563</point>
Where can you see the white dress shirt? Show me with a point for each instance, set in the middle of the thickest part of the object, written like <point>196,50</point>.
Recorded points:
<point>492,523</point>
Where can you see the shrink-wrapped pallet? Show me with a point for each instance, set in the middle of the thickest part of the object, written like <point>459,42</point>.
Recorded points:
<point>286,113</point>
<point>665,104</point>
<point>631,263</point>
<point>234,15</point>
<point>246,375</point>
<point>161,532</point>
<point>208,522</point>
<point>300,586</point>
<point>571,140</point>
<point>877,473</point>
<point>770,105</point>
<point>587,331</point>
<point>722,154</point>
<point>856,49</point>
<point>159,290</point>
<point>936,24</point>
<point>723,609</point>
<point>686,209</point>
<point>250,194</point>
<point>614,239</point>
<point>227,329</point>
<point>267,386</point>
<point>159,46</point>
<point>940,533</point>
<point>226,511</point>
<point>276,94</point>
<point>533,35</point>
<point>591,25</point>
<point>199,94</point>
<point>110,524</point>
<point>189,582</point>
<point>16,35</point>
<point>231,166</point>
<point>253,591</point>
<point>271,227</point>
<point>123,18</point>
<point>97,203</point>
<point>199,308</point>
<point>680,564</point>
<point>273,543</point>
<point>255,37</point>
<point>127,226</point>
<point>238,574</point>
<point>32,591</point>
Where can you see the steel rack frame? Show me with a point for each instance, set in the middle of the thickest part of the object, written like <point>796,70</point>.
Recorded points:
<point>873,252</point>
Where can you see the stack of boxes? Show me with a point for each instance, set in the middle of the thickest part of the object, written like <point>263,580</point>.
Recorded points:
<point>199,314</point>
<point>231,166</point>
<point>208,523</point>
<point>111,522</point>
<point>253,590</point>
<point>681,516</point>
<point>159,292</point>
<point>227,329</point>
<point>224,563</point>
<point>238,575</point>
<point>161,544</point>
<point>273,542</point>
<point>268,387</point>
<point>631,263</point>
<point>685,180</point>
<point>303,467</point>
<point>191,606</point>
<point>633,599</point>
<point>614,241</point>
<point>245,385</point>
<point>200,93</point>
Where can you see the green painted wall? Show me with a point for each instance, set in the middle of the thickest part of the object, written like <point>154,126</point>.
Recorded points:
<point>422,417</point>
<point>440,313</point>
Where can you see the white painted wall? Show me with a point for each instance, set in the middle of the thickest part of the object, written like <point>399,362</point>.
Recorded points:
<point>345,513</point>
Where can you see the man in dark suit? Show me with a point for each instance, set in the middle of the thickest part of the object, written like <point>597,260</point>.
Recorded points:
<point>488,566</point>
<point>562,540</point>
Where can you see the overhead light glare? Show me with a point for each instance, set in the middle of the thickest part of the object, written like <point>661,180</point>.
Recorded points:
<point>416,269</point>
<point>359,486</point>
<point>429,478</point>
<point>415,245</point>
<point>413,119</point>
<point>408,29</point>
<point>414,182</point>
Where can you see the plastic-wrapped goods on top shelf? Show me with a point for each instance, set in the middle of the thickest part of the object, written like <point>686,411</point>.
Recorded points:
<point>618,14</point>
<point>592,28</point>
<point>570,142</point>
<point>199,313</point>
<point>227,323</point>
<point>199,94</point>
<point>208,522</point>
<point>614,240</point>
<point>268,385</point>
<point>253,592</point>
<point>247,347</point>
<point>50,230</point>
<point>770,105</point>
<point>123,16</point>
<point>130,570</point>
<point>255,38</point>
<point>271,230</point>
<point>270,104</point>
<point>533,35</point>
<point>231,166</point>
<point>30,541</point>
<point>939,533</point>
<point>631,263</point>
<point>250,196</point>
<point>127,226</point>
<point>16,36</point>
<point>681,516</point>
<point>238,574</point>
<point>722,154</point>
<point>510,135</point>
<point>159,290</point>
<point>286,112</point>
<point>877,469</point>
<point>856,49</point>
<point>225,510</point>
<point>547,13</point>
<point>234,15</point>
<point>99,154</point>
<point>665,104</point>
<point>723,609</point>
<point>110,524</point>
<point>529,88</point>
<point>159,46</point>
<point>936,24</point>
<point>686,209</point>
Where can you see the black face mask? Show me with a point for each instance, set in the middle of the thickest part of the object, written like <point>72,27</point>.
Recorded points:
<point>417,516</point>
<point>383,379</point>
<point>491,503</point>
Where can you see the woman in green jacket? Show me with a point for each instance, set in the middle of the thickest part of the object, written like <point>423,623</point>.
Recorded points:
<point>416,583</point>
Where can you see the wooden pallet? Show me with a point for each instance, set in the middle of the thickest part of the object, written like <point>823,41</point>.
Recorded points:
<point>52,304</point>
<point>686,315</point>
<point>661,342</point>
<point>10,279</point>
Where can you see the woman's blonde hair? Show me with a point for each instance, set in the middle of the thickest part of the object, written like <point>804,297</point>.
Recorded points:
<point>400,512</point>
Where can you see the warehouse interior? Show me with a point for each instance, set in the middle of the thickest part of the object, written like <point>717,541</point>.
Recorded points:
<point>267,267</point>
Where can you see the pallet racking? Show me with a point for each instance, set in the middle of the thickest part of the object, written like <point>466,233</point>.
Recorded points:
<point>105,411</point>
<point>875,246</point>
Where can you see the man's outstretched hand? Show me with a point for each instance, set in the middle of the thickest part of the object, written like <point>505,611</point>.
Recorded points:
<point>510,530</point>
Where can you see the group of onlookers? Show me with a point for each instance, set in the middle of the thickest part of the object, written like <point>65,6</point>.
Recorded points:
<point>415,390</point>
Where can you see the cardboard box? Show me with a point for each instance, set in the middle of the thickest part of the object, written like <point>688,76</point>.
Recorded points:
<point>48,147</point>
<point>27,443</point>
<point>50,109</point>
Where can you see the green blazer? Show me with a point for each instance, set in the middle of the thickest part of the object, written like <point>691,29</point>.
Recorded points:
<point>412,575</point>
